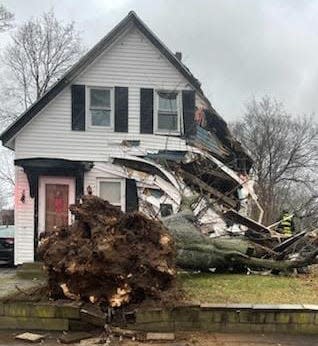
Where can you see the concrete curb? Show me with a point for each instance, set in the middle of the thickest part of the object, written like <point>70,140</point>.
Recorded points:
<point>283,318</point>
<point>58,316</point>
<point>39,316</point>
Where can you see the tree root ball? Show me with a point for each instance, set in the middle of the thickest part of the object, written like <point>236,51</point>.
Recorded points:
<point>107,256</point>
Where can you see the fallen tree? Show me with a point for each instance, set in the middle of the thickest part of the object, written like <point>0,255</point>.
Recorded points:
<point>117,258</point>
<point>108,256</point>
<point>196,251</point>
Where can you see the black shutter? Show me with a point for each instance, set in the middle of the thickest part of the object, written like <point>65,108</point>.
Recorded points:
<point>188,103</point>
<point>146,110</point>
<point>121,109</point>
<point>131,195</point>
<point>78,107</point>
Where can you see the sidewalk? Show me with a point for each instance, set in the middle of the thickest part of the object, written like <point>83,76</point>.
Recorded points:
<point>10,284</point>
<point>189,339</point>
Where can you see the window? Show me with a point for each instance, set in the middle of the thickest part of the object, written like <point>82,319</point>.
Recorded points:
<point>113,191</point>
<point>100,107</point>
<point>168,115</point>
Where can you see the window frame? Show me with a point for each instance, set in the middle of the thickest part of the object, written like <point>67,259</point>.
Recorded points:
<point>122,190</point>
<point>88,107</point>
<point>179,113</point>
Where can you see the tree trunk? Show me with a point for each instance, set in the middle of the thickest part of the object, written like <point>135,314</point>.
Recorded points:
<point>196,251</point>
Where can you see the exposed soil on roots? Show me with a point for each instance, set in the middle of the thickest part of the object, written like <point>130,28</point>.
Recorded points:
<point>107,256</point>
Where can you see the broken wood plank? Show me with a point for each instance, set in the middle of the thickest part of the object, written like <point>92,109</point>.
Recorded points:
<point>70,338</point>
<point>288,242</point>
<point>124,332</point>
<point>246,221</point>
<point>92,341</point>
<point>214,192</point>
<point>31,337</point>
<point>91,314</point>
<point>160,336</point>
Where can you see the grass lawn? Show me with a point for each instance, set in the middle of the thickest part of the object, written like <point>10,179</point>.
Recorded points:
<point>237,288</point>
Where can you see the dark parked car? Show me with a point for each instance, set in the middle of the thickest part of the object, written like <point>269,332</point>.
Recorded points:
<point>7,245</point>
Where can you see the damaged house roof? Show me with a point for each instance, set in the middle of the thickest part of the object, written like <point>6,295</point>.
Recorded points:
<point>215,124</point>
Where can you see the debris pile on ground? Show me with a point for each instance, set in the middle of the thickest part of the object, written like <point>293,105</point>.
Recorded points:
<point>259,251</point>
<point>107,256</point>
<point>114,258</point>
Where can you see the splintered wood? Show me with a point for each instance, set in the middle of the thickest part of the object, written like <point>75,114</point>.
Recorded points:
<point>108,257</point>
<point>31,337</point>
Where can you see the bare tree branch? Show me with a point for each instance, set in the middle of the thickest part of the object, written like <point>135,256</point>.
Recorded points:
<point>6,19</point>
<point>41,51</point>
<point>284,150</point>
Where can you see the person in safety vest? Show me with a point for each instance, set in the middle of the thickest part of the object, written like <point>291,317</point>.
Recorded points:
<point>286,225</point>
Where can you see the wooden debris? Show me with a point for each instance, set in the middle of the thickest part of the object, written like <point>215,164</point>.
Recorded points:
<point>124,332</point>
<point>92,341</point>
<point>70,338</point>
<point>31,337</point>
<point>110,258</point>
<point>93,315</point>
<point>246,221</point>
<point>160,336</point>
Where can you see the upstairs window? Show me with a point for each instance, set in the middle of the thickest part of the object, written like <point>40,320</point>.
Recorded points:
<point>100,107</point>
<point>168,112</point>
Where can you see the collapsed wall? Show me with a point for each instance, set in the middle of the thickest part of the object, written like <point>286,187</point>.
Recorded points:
<point>166,178</point>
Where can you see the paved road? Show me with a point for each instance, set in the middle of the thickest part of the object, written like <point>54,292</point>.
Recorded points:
<point>187,339</point>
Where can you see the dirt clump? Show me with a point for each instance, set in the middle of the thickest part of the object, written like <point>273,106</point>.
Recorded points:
<point>107,256</point>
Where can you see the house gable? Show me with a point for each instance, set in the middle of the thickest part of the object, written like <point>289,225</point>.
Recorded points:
<point>131,62</point>
<point>130,20</point>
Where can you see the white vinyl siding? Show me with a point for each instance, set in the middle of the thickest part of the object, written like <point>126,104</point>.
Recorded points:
<point>132,62</point>
<point>23,220</point>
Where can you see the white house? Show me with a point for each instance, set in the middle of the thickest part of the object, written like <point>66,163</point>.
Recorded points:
<point>101,129</point>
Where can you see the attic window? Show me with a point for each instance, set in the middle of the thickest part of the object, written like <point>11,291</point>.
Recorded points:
<point>100,107</point>
<point>168,112</point>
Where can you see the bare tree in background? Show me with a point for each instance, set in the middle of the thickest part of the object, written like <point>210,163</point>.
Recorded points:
<point>6,177</point>
<point>6,19</point>
<point>41,52</point>
<point>6,168</point>
<point>284,150</point>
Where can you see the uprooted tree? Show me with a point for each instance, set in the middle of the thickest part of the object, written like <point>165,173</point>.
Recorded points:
<point>116,258</point>
<point>108,256</point>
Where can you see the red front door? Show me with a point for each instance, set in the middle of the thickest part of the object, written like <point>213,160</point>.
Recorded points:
<point>56,206</point>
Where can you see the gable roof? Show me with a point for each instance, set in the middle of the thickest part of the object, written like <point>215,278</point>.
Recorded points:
<point>86,60</point>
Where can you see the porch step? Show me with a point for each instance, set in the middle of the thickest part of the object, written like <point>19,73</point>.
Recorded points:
<point>32,265</point>
<point>31,270</point>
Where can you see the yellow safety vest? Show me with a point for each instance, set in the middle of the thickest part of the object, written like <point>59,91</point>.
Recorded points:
<point>286,224</point>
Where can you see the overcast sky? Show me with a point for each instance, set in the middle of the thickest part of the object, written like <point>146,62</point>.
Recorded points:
<point>237,48</point>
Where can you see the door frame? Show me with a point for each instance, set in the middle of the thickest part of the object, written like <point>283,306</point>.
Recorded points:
<point>43,180</point>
